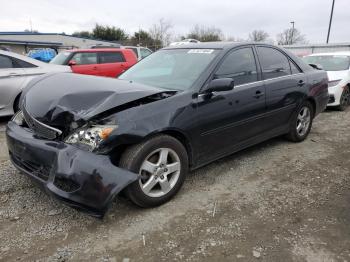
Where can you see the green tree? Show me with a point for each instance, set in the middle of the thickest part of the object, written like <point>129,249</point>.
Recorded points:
<point>86,34</point>
<point>109,33</point>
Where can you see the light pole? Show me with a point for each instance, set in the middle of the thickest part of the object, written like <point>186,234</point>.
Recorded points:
<point>291,38</point>
<point>330,21</point>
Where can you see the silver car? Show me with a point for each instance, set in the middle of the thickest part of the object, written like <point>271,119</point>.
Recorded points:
<point>15,72</point>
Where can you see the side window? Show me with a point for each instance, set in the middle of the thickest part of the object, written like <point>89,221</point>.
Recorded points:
<point>85,58</point>
<point>23,64</point>
<point>273,63</point>
<point>5,62</point>
<point>145,52</point>
<point>294,68</point>
<point>133,49</point>
<point>111,57</point>
<point>239,65</point>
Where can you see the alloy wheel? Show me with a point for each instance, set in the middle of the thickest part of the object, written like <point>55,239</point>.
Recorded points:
<point>159,172</point>
<point>303,121</point>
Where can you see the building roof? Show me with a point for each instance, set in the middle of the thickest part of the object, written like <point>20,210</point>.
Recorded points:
<point>60,34</point>
<point>21,42</point>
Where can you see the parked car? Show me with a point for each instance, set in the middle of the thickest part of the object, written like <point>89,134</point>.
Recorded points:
<point>140,52</point>
<point>185,42</point>
<point>109,62</point>
<point>15,73</point>
<point>86,139</point>
<point>337,66</point>
<point>42,54</point>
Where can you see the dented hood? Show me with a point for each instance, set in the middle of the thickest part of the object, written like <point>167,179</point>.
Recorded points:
<point>60,99</point>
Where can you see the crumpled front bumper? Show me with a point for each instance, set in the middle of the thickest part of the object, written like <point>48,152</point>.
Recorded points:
<point>81,179</point>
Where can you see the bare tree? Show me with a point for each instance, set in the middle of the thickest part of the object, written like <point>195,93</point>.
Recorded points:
<point>291,37</point>
<point>205,34</point>
<point>235,39</point>
<point>258,36</point>
<point>160,32</point>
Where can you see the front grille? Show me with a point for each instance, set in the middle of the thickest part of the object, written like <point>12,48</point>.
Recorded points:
<point>39,128</point>
<point>66,184</point>
<point>39,171</point>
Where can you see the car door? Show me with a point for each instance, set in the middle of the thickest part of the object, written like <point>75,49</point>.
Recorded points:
<point>85,63</point>
<point>284,82</point>
<point>111,64</point>
<point>11,79</point>
<point>229,120</point>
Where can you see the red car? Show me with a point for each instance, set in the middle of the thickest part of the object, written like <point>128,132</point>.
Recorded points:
<point>109,62</point>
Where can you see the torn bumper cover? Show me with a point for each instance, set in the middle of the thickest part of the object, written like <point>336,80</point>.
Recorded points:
<point>81,179</point>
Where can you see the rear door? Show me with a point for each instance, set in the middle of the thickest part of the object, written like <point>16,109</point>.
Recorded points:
<point>284,83</point>
<point>11,79</point>
<point>85,63</point>
<point>111,64</point>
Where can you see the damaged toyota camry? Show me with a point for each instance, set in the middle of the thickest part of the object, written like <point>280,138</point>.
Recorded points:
<point>86,139</point>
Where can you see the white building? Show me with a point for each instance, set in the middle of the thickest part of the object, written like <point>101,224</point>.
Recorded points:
<point>303,50</point>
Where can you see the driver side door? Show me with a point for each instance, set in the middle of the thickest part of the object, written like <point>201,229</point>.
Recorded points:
<point>229,120</point>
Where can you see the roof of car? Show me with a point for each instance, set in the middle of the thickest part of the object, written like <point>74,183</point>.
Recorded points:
<point>344,53</point>
<point>211,45</point>
<point>113,49</point>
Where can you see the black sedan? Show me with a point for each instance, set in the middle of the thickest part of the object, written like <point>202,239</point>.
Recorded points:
<point>85,139</point>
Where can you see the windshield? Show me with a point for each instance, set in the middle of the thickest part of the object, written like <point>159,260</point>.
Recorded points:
<point>330,62</point>
<point>60,59</point>
<point>171,69</point>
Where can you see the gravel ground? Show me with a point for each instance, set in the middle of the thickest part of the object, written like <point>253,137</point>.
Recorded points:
<point>277,201</point>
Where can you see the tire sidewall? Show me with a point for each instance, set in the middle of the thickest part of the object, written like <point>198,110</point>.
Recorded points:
<point>294,132</point>
<point>148,147</point>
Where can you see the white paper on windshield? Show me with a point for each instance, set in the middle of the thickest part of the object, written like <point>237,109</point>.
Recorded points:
<point>200,51</point>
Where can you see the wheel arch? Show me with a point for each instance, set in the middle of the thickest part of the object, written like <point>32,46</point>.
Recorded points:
<point>177,134</point>
<point>312,101</point>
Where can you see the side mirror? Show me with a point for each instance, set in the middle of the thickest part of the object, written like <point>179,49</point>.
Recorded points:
<point>316,66</point>
<point>72,63</point>
<point>219,85</point>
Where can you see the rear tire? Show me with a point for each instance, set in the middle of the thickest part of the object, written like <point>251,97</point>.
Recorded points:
<point>162,164</point>
<point>344,99</point>
<point>301,123</point>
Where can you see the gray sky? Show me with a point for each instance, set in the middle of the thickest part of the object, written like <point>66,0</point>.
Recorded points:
<point>235,18</point>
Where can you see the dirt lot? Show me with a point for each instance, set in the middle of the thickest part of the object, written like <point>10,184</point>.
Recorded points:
<point>277,201</point>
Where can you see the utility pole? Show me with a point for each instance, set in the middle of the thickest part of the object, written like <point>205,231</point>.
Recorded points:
<point>291,38</point>
<point>330,21</point>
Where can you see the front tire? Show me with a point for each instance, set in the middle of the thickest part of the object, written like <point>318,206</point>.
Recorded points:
<point>162,164</point>
<point>301,123</point>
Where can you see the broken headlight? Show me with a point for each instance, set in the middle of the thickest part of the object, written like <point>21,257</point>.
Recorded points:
<point>18,118</point>
<point>91,137</point>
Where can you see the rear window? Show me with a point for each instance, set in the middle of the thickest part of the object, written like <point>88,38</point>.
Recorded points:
<point>111,57</point>
<point>23,64</point>
<point>5,62</point>
<point>330,62</point>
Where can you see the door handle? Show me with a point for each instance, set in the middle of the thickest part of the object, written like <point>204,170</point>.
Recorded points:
<point>301,83</point>
<point>95,68</point>
<point>258,94</point>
